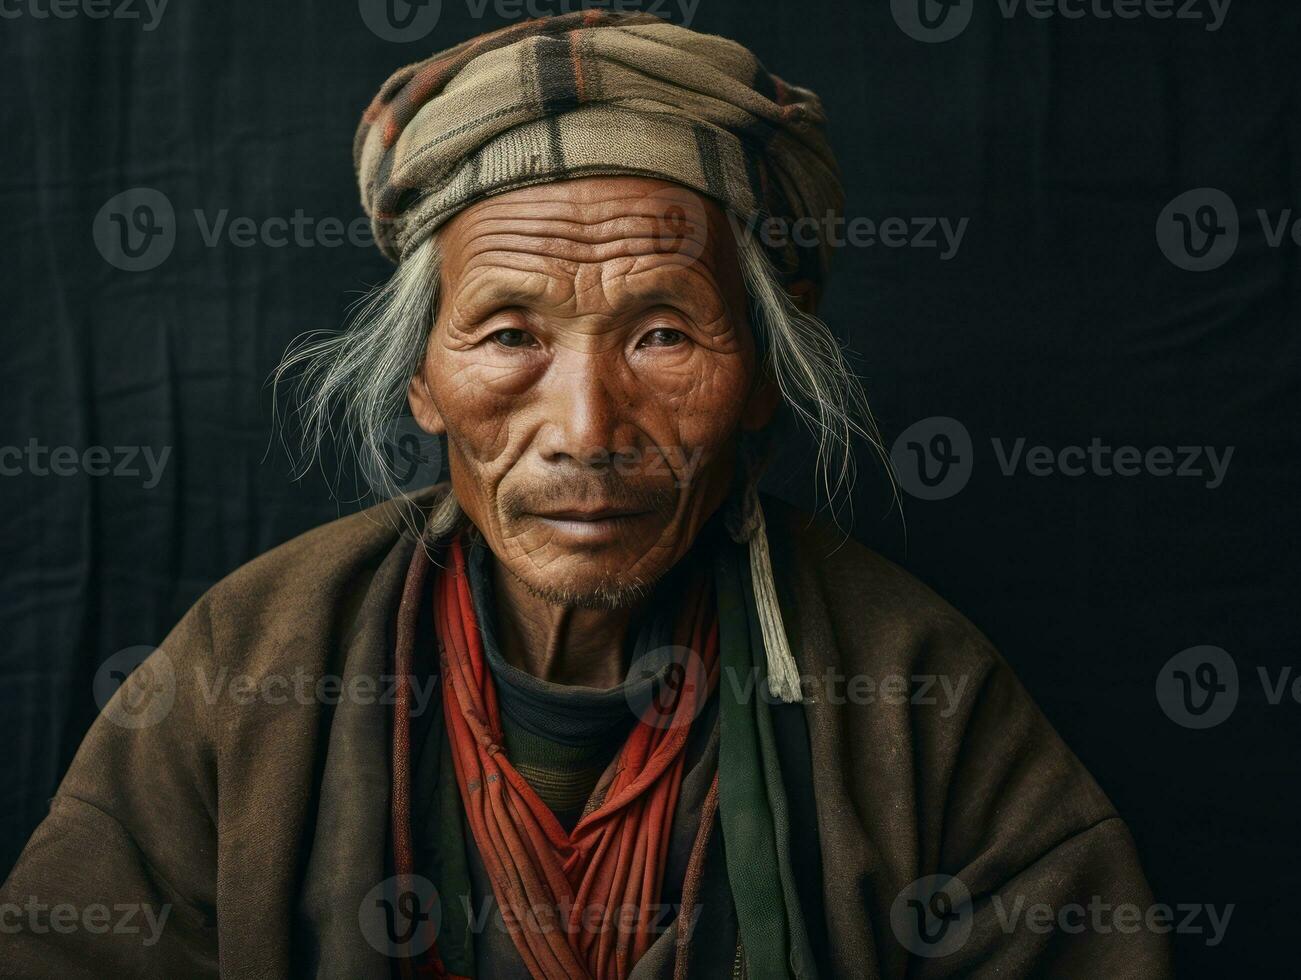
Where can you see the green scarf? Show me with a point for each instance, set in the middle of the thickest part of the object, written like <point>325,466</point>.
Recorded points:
<point>752,803</point>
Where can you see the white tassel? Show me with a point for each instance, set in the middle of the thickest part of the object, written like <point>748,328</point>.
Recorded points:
<point>783,674</point>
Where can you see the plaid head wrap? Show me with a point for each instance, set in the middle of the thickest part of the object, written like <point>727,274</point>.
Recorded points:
<point>588,93</point>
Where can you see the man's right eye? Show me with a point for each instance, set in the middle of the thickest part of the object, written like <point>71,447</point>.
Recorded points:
<point>512,338</point>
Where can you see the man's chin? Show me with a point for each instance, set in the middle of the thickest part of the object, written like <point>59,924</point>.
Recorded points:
<point>589,592</point>
<point>590,569</point>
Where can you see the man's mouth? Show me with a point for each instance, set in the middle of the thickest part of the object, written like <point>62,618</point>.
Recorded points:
<point>590,513</point>
<point>590,525</point>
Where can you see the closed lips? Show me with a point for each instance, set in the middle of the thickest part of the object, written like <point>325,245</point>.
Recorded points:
<point>604,514</point>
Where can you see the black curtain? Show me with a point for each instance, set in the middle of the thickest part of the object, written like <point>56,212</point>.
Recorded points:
<point>1083,237</point>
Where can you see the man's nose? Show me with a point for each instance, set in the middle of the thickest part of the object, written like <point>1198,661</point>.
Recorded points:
<point>583,410</point>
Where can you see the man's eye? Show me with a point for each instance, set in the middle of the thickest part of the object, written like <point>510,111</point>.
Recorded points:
<point>512,338</point>
<point>662,337</point>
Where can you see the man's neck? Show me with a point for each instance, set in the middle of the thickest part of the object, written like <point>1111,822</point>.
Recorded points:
<point>561,643</point>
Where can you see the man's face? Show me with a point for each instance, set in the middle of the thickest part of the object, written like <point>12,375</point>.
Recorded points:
<point>592,366</point>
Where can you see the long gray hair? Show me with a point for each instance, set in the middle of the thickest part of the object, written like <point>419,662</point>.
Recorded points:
<point>350,385</point>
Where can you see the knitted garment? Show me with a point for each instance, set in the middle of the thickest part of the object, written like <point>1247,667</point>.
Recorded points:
<point>593,92</point>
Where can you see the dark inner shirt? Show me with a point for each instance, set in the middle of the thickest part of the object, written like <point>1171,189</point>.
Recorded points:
<point>561,737</point>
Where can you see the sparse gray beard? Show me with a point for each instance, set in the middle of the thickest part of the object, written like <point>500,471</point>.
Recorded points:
<point>611,594</point>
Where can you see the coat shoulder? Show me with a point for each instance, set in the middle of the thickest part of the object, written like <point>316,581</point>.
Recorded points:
<point>322,560</point>
<point>285,602</point>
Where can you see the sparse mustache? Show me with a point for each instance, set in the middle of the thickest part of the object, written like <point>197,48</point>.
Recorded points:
<point>604,488</point>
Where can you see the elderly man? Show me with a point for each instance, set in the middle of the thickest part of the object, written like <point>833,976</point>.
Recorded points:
<point>592,710</point>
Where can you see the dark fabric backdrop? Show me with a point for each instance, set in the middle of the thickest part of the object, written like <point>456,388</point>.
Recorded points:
<point>1059,319</point>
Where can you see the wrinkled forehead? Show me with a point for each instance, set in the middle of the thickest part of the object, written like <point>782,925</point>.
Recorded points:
<point>657,227</point>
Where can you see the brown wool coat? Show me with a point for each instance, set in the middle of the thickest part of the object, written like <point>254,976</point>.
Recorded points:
<point>211,810</point>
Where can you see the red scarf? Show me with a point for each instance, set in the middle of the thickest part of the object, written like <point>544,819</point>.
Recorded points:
<point>578,904</point>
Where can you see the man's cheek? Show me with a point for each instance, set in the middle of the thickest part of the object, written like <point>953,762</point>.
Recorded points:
<point>711,405</point>
<point>704,440</point>
<point>478,424</point>
<point>465,477</point>
<point>476,476</point>
<point>686,464</point>
<point>475,386</point>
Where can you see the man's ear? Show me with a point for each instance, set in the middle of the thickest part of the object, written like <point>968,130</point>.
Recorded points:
<point>422,405</point>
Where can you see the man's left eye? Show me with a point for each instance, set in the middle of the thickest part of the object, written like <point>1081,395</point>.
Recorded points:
<point>512,338</point>
<point>662,337</point>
